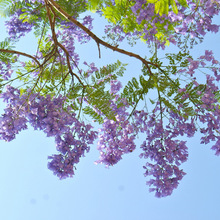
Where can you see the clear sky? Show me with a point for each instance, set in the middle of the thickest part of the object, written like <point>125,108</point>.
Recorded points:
<point>29,191</point>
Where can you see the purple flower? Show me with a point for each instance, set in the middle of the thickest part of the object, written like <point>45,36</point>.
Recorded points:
<point>5,70</point>
<point>72,137</point>
<point>16,27</point>
<point>116,137</point>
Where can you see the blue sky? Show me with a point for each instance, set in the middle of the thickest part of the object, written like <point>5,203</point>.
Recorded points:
<point>29,191</point>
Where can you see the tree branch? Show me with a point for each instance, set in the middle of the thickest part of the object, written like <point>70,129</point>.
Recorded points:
<point>20,53</point>
<point>52,25</point>
<point>94,37</point>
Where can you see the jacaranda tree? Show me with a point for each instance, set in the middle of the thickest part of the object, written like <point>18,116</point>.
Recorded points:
<point>50,91</point>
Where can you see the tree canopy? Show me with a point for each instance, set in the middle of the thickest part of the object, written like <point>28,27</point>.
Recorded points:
<point>52,92</point>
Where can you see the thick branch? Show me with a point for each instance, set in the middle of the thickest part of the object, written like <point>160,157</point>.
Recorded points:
<point>68,63</point>
<point>52,26</point>
<point>94,37</point>
<point>51,21</point>
<point>20,53</point>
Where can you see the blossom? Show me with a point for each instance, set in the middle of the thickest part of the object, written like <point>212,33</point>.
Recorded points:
<point>16,27</point>
<point>116,137</point>
<point>72,137</point>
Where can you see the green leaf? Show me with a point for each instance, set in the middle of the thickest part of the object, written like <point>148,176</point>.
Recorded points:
<point>93,114</point>
<point>94,4</point>
<point>174,7</point>
<point>7,57</point>
<point>183,3</point>
<point>4,7</point>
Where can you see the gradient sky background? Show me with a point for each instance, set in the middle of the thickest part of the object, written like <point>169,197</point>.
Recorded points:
<point>29,191</point>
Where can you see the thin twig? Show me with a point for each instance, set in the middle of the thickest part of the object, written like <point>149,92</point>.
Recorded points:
<point>20,53</point>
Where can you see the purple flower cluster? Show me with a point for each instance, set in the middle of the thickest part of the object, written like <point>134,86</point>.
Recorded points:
<point>92,69</point>
<point>207,110</point>
<point>72,137</point>
<point>162,145</point>
<point>16,27</point>
<point>144,14</point>
<point>211,115</point>
<point>5,70</point>
<point>195,20</point>
<point>11,124</point>
<point>203,11</point>
<point>116,137</point>
<point>207,61</point>
<point>163,149</point>
<point>69,33</point>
